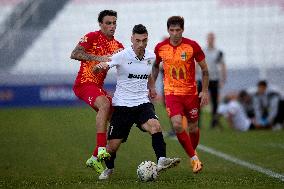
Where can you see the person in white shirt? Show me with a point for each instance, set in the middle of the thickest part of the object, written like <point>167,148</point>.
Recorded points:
<point>235,114</point>
<point>131,101</point>
<point>217,75</point>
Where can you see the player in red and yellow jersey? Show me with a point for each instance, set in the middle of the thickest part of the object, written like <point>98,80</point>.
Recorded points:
<point>93,48</point>
<point>179,56</point>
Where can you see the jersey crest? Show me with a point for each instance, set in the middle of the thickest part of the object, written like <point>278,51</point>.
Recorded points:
<point>184,56</point>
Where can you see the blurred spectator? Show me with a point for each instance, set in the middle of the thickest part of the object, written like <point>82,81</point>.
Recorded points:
<point>280,116</point>
<point>235,114</point>
<point>266,106</point>
<point>246,101</point>
<point>217,74</point>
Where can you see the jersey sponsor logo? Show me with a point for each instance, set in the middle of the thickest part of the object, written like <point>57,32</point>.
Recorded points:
<point>178,72</point>
<point>138,76</point>
<point>129,63</point>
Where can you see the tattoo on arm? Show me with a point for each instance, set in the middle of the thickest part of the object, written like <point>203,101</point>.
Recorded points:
<point>80,54</point>
<point>205,73</point>
<point>205,80</point>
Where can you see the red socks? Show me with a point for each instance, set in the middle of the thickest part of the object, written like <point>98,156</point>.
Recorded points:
<point>101,142</point>
<point>185,141</point>
<point>194,137</point>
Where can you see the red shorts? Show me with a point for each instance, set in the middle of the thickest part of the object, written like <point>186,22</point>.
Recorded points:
<point>185,105</point>
<point>89,94</point>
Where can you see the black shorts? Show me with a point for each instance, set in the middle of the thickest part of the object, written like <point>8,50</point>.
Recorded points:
<point>124,117</point>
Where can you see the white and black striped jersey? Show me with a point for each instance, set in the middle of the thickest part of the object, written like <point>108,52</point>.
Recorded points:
<point>133,73</point>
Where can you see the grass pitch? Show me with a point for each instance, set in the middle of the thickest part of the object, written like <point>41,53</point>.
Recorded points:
<point>48,147</point>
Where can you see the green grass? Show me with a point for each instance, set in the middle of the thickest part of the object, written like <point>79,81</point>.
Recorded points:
<point>48,147</point>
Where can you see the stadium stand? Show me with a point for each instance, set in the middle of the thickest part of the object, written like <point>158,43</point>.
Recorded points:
<point>250,34</point>
<point>23,25</point>
<point>248,26</point>
<point>5,9</point>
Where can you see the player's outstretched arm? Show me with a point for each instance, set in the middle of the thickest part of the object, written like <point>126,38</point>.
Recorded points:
<point>80,54</point>
<point>152,87</point>
<point>100,67</point>
<point>155,71</point>
<point>152,81</point>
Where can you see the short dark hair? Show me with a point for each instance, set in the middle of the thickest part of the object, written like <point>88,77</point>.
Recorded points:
<point>104,13</point>
<point>262,83</point>
<point>175,20</point>
<point>242,94</point>
<point>139,29</point>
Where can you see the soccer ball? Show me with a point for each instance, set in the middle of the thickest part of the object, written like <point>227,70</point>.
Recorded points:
<point>147,171</point>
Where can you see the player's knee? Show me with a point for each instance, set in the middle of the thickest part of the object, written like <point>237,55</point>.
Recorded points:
<point>193,127</point>
<point>105,107</point>
<point>156,129</point>
<point>177,126</point>
<point>103,103</point>
<point>154,126</point>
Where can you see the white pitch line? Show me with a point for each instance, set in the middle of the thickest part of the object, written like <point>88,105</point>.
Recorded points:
<point>241,162</point>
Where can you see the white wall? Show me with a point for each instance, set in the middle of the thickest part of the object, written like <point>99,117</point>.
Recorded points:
<point>251,36</point>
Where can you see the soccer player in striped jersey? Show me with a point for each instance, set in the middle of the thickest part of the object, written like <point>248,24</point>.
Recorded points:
<point>179,56</point>
<point>131,100</point>
<point>93,48</point>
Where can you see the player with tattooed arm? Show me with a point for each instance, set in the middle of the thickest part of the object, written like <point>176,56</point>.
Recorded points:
<point>93,48</point>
